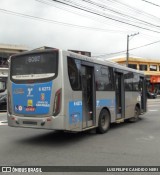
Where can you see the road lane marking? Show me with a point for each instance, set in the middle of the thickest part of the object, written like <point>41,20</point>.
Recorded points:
<point>146,139</point>
<point>153,110</point>
<point>153,105</point>
<point>157,105</point>
<point>3,122</point>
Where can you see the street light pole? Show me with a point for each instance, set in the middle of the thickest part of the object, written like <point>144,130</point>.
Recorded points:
<point>127,53</point>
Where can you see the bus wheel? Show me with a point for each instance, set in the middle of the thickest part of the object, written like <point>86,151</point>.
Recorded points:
<point>136,115</point>
<point>104,122</point>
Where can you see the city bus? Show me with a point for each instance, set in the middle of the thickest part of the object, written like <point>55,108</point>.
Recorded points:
<point>61,90</point>
<point>3,80</point>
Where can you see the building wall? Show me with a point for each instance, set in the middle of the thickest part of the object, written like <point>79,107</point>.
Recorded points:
<point>152,71</point>
<point>6,50</point>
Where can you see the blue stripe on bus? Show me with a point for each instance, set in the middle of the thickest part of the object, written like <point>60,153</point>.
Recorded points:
<point>75,112</point>
<point>31,98</point>
<point>75,109</point>
<point>105,102</point>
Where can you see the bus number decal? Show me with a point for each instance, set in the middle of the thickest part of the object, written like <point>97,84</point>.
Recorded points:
<point>78,103</point>
<point>33,59</point>
<point>44,89</point>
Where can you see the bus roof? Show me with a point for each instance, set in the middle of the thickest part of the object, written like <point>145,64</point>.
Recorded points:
<point>85,58</point>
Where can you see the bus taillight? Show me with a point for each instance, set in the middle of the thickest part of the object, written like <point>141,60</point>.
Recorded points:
<point>57,102</point>
<point>9,103</point>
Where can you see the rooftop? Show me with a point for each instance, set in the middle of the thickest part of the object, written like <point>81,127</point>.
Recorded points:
<point>122,58</point>
<point>13,47</point>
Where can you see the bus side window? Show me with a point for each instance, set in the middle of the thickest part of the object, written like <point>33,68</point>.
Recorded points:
<point>74,73</point>
<point>104,78</point>
<point>128,80</point>
<point>136,80</point>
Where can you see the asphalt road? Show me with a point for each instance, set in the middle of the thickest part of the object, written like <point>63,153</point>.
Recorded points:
<point>126,144</point>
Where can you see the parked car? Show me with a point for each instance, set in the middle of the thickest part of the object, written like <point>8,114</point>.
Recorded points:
<point>151,95</point>
<point>3,103</point>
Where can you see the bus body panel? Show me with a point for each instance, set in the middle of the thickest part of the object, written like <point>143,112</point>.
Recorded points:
<point>32,103</point>
<point>52,123</point>
<point>107,102</point>
<point>131,99</point>
<point>37,110</point>
<point>72,101</point>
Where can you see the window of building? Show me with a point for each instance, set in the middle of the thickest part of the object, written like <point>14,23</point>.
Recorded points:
<point>143,67</point>
<point>133,66</point>
<point>153,67</point>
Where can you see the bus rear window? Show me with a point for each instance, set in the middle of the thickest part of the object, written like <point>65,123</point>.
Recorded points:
<point>35,66</point>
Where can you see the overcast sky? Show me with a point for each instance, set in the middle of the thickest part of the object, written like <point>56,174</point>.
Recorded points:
<point>36,23</point>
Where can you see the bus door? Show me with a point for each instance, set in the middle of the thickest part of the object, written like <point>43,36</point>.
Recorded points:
<point>88,96</point>
<point>120,95</point>
<point>143,92</point>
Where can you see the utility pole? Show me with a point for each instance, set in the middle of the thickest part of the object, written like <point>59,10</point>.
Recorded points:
<point>127,53</point>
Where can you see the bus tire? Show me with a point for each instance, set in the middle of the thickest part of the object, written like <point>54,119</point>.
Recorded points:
<point>136,115</point>
<point>103,122</point>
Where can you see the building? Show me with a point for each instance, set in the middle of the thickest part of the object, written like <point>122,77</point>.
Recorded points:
<point>151,68</point>
<point>6,50</point>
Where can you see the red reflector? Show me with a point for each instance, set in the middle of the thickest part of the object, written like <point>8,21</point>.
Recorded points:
<point>48,119</point>
<point>13,118</point>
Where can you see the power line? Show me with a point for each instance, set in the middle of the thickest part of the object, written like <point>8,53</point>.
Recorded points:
<point>95,13</point>
<point>99,19</point>
<point>130,8</point>
<point>54,21</point>
<point>124,51</point>
<point>67,24</point>
<point>94,18</point>
<point>151,3</point>
<point>102,6</point>
<point>116,2</point>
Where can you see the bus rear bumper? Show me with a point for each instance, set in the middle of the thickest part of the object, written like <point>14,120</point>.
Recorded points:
<point>51,122</point>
